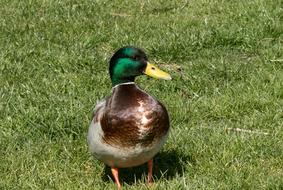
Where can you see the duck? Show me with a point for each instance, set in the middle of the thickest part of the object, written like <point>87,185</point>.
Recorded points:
<point>129,127</point>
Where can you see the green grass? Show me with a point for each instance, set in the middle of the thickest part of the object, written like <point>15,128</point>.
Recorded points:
<point>226,60</point>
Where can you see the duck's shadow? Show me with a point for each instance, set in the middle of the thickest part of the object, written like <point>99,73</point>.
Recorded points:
<point>167,165</point>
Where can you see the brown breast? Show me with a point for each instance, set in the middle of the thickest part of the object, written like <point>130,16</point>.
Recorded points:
<point>132,117</point>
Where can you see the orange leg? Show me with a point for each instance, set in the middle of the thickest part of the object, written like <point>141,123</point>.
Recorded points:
<point>115,173</point>
<point>149,175</point>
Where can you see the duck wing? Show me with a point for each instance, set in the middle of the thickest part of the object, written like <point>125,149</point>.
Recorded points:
<point>99,110</point>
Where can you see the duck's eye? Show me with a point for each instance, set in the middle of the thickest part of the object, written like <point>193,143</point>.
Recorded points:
<point>152,68</point>
<point>135,58</point>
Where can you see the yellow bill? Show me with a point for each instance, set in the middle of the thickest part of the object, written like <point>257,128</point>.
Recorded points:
<point>153,71</point>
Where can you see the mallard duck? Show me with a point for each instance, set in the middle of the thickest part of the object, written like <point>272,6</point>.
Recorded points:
<point>130,126</point>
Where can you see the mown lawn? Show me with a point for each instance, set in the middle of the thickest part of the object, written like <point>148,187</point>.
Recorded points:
<point>226,60</point>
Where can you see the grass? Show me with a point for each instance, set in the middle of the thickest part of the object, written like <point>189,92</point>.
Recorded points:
<point>226,61</point>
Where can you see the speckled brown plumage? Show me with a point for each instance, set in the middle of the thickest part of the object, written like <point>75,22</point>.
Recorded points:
<point>133,117</point>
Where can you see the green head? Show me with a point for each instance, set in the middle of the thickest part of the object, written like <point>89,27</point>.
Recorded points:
<point>129,62</point>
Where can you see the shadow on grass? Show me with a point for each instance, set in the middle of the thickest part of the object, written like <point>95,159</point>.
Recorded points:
<point>167,165</point>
